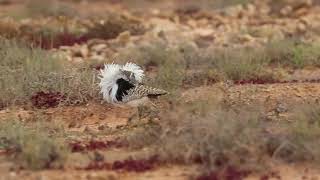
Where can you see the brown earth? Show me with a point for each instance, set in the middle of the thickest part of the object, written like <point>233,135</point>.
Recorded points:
<point>100,122</point>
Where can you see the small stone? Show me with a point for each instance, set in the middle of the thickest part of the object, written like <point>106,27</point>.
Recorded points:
<point>234,11</point>
<point>124,37</point>
<point>192,23</point>
<point>72,124</point>
<point>251,9</point>
<point>77,60</point>
<point>98,47</point>
<point>84,51</point>
<point>102,127</point>
<point>301,27</point>
<point>246,38</point>
<point>97,57</point>
<point>95,176</point>
<point>204,32</point>
<point>286,10</point>
<point>155,12</point>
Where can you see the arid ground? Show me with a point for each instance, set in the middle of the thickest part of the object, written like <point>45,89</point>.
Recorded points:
<point>243,77</point>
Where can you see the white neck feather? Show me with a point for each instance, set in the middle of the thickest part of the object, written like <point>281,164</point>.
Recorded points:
<point>109,76</point>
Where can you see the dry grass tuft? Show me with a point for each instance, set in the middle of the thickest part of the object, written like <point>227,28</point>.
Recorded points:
<point>26,71</point>
<point>207,133</point>
<point>301,143</point>
<point>36,147</point>
<point>203,132</point>
<point>48,8</point>
<point>292,53</point>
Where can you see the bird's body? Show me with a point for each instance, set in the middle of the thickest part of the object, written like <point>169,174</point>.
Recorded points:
<point>123,85</point>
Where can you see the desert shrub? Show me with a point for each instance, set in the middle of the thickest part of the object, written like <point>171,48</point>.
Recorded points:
<point>256,64</point>
<point>186,65</point>
<point>33,146</point>
<point>237,64</point>
<point>292,53</point>
<point>52,33</point>
<point>169,62</point>
<point>48,8</point>
<point>203,132</point>
<point>187,7</point>
<point>300,141</point>
<point>216,136</point>
<point>26,71</point>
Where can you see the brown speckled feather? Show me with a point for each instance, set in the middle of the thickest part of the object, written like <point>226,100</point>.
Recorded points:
<point>140,91</point>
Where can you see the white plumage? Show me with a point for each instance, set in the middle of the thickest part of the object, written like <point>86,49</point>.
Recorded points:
<point>123,83</point>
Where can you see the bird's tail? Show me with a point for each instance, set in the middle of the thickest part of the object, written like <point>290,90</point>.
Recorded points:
<point>151,91</point>
<point>143,91</point>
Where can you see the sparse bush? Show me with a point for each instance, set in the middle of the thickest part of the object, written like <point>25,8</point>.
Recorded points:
<point>187,7</point>
<point>216,136</point>
<point>33,146</point>
<point>292,53</point>
<point>256,64</point>
<point>213,137</point>
<point>301,143</point>
<point>203,132</point>
<point>238,64</point>
<point>49,8</point>
<point>170,63</point>
<point>26,71</point>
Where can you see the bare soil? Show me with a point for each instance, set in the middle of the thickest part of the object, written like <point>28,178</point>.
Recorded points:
<point>94,127</point>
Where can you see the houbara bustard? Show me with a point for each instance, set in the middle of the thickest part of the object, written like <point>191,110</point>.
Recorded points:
<point>122,85</point>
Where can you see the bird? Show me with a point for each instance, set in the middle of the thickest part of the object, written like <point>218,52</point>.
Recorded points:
<point>122,85</point>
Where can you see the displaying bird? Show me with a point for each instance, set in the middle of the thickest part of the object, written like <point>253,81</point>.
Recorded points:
<point>122,84</point>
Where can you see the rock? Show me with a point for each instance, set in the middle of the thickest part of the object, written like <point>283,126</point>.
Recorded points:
<point>269,32</point>
<point>251,9</point>
<point>286,10</point>
<point>93,42</point>
<point>98,47</point>
<point>192,23</point>
<point>204,32</point>
<point>203,22</point>
<point>245,38</point>
<point>72,124</point>
<point>124,37</point>
<point>301,12</point>
<point>84,51</point>
<point>301,27</point>
<point>96,57</point>
<point>64,48</point>
<point>77,60</point>
<point>234,11</point>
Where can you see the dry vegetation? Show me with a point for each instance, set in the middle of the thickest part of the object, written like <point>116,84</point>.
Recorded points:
<point>25,71</point>
<point>36,146</point>
<point>49,63</point>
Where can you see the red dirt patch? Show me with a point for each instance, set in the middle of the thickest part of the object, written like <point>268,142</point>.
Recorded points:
<point>131,165</point>
<point>136,165</point>
<point>229,173</point>
<point>256,81</point>
<point>47,100</point>
<point>63,39</point>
